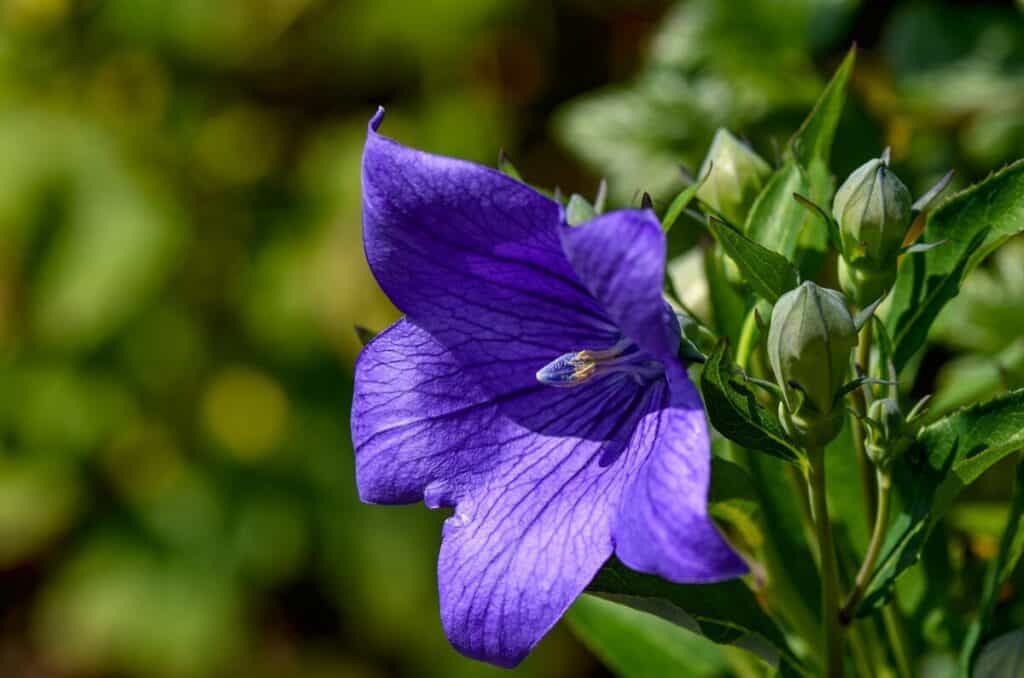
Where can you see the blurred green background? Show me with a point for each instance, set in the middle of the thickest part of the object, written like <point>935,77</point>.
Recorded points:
<point>181,271</point>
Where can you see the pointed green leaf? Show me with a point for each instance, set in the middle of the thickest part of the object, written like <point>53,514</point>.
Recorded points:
<point>813,141</point>
<point>810,148</point>
<point>996,204</point>
<point>680,203</point>
<point>776,219</point>
<point>912,327</point>
<point>728,305</point>
<point>949,455</point>
<point>636,644</point>
<point>726,613</point>
<point>736,413</point>
<point>769,274</point>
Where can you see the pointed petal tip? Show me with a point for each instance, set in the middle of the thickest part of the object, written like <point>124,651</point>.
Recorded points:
<point>377,119</point>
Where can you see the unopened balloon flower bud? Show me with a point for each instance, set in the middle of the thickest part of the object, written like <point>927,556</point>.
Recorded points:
<point>733,176</point>
<point>885,439</point>
<point>810,339</point>
<point>874,211</point>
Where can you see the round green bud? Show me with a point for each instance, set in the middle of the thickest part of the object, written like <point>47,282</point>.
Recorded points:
<point>873,208</point>
<point>885,439</point>
<point>737,175</point>
<point>810,339</point>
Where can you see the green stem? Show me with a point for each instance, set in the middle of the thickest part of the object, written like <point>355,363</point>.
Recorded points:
<point>897,639</point>
<point>745,345</point>
<point>833,641</point>
<point>867,567</point>
<point>863,360</point>
<point>783,591</point>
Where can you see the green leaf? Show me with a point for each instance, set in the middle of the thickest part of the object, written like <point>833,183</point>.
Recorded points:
<point>726,613</point>
<point>1011,545</point>
<point>948,456</point>
<point>813,141</point>
<point>733,501</point>
<point>636,644</point>
<point>995,204</point>
<point>912,327</point>
<point>736,413</point>
<point>680,203</point>
<point>769,274</point>
<point>728,306</point>
<point>811,147</point>
<point>776,219</point>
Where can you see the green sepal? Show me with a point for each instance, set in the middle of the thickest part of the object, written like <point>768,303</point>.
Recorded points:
<point>506,167</point>
<point>579,210</point>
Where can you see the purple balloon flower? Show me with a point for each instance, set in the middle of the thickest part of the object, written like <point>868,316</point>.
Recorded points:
<point>533,386</point>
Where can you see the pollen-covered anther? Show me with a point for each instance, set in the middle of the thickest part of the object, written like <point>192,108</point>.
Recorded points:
<point>579,367</point>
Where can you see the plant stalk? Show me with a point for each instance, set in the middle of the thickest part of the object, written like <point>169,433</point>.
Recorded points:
<point>833,641</point>
<point>860,403</point>
<point>867,567</point>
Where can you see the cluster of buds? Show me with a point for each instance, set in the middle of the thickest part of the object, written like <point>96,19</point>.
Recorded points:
<point>810,341</point>
<point>874,212</point>
<point>889,431</point>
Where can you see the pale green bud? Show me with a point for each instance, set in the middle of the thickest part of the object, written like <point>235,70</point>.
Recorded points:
<point>737,175</point>
<point>885,439</point>
<point>810,339</point>
<point>874,211</point>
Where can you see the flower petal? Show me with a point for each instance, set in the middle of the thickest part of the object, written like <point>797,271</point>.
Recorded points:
<point>412,414</point>
<point>620,257</point>
<point>664,527</point>
<point>424,428</point>
<point>475,258</point>
<point>522,547</point>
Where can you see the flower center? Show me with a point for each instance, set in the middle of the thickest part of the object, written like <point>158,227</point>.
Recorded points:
<point>579,367</point>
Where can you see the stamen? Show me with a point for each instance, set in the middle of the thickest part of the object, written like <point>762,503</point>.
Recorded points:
<point>579,367</point>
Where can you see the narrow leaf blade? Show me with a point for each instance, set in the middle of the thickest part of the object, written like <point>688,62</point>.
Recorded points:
<point>769,274</point>
<point>813,141</point>
<point>736,414</point>
<point>912,328</point>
